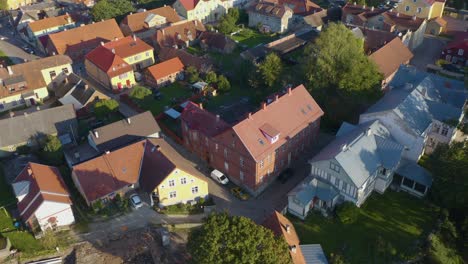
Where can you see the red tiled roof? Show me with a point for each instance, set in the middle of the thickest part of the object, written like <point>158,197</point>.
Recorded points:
<point>202,120</point>
<point>391,56</point>
<point>166,68</point>
<point>402,21</point>
<point>110,172</point>
<point>179,32</point>
<point>45,184</point>
<point>136,22</point>
<point>189,4</point>
<point>108,61</point>
<point>215,40</point>
<point>128,46</point>
<point>375,39</point>
<point>277,223</point>
<point>50,22</point>
<point>201,63</point>
<point>288,115</point>
<point>301,7</point>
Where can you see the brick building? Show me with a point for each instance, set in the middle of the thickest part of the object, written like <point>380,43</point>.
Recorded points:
<point>253,151</point>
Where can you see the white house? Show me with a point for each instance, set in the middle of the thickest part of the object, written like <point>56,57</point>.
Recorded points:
<point>360,160</point>
<point>43,199</point>
<point>74,90</point>
<point>421,110</point>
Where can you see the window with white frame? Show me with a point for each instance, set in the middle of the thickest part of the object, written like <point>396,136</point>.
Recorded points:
<point>183,180</point>
<point>173,194</point>
<point>444,131</point>
<point>419,10</point>
<point>171,183</point>
<point>407,8</point>
<point>261,164</point>
<point>195,190</point>
<point>460,52</point>
<point>334,167</point>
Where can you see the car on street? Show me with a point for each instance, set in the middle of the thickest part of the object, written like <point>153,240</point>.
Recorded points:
<point>28,50</point>
<point>239,193</point>
<point>285,175</point>
<point>219,177</point>
<point>135,200</point>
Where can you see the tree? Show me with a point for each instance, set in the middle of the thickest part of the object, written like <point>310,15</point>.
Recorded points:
<point>233,239</point>
<point>140,93</point>
<point>3,5</point>
<point>52,150</point>
<point>49,240</point>
<point>107,9</point>
<point>337,258</point>
<point>223,84</point>
<point>337,59</point>
<point>234,14</point>
<point>270,69</point>
<point>211,77</point>
<point>347,212</point>
<point>193,75</point>
<point>227,23</point>
<point>104,107</point>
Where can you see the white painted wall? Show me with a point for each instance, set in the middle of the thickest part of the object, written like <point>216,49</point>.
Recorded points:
<point>297,209</point>
<point>61,211</point>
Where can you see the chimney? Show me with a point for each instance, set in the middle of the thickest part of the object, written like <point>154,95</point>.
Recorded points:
<point>276,97</point>
<point>288,229</point>
<point>414,18</point>
<point>25,60</point>
<point>12,114</point>
<point>30,172</point>
<point>38,108</point>
<point>10,70</point>
<point>25,114</point>
<point>129,121</point>
<point>196,24</point>
<point>102,43</point>
<point>250,115</point>
<point>53,53</point>
<point>96,134</point>
<point>154,148</point>
<point>113,51</point>
<point>163,32</point>
<point>289,91</point>
<point>134,37</point>
<point>217,118</point>
<point>86,86</point>
<point>107,152</point>
<point>364,7</point>
<point>264,105</point>
<point>200,105</point>
<point>293,249</point>
<point>113,68</point>
<point>345,147</point>
<point>372,9</point>
<point>397,14</point>
<point>369,131</point>
<point>354,3</point>
<point>65,80</point>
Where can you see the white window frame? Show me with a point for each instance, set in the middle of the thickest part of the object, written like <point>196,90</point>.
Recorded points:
<point>171,183</point>
<point>183,180</point>
<point>195,190</point>
<point>172,194</point>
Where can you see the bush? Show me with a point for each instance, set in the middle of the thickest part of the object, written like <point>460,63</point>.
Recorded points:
<point>193,75</point>
<point>52,150</point>
<point>140,93</point>
<point>441,62</point>
<point>223,84</point>
<point>347,212</point>
<point>103,108</point>
<point>23,150</point>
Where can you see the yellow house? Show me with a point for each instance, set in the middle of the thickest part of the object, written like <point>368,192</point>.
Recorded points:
<point>133,51</point>
<point>14,4</point>
<point>206,11</point>
<point>426,9</point>
<point>27,84</point>
<point>46,26</point>
<point>109,69</point>
<point>169,177</point>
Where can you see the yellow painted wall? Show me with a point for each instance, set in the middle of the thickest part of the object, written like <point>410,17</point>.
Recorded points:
<point>145,59</point>
<point>427,12</point>
<point>437,9</point>
<point>183,191</point>
<point>123,80</point>
<point>14,4</point>
<point>15,100</point>
<point>205,10</point>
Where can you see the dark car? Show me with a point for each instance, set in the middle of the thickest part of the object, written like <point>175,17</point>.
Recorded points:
<point>451,68</point>
<point>285,175</point>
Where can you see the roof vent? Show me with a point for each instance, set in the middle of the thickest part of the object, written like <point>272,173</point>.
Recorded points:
<point>113,51</point>
<point>293,248</point>
<point>96,134</point>
<point>107,152</point>
<point>30,172</point>
<point>369,131</point>
<point>345,147</point>
<point>397,14</point>
<point>129,121</point>
<point>154,148</point>
<point>288,228</point>
<point>414,18</point>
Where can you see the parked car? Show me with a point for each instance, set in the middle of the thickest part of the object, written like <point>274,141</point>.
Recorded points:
<point>135,201</point>
<point>237,192</point>
<point>28,50</point>
<point>219,177</point>
<point>285,175</point>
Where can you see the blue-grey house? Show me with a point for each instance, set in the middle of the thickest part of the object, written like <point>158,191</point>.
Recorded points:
<point>421,110</point>
<point>361,159</point>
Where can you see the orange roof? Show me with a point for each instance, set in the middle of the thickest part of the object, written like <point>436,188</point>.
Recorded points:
<point>136,22</point>
<point>389,57</point>
<point>166,68</point>
<point>287,115</point>
<point>128,46</point>
<point>278,223</point>
<point>189,4</point>
<point>109,62</point>
<point>50,22</point>
<point>110,172</point>
<point>88,35</point>
<point>45,184</point>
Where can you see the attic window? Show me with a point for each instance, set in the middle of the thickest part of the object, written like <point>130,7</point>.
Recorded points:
<point>261,142</point>
<point>270,133</point>
<point>303,111</point>
<point>124,170</point>
<point>309,107</point>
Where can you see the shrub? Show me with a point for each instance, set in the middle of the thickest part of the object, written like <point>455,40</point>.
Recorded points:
<point>140,93</point>
<point>441,62</point>
<point>347,212</point>
<point>104,107</point>
<point>52,150</point>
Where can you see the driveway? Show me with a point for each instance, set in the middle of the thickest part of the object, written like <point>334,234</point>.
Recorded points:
<point>428,52</point>
<point>12,44</point>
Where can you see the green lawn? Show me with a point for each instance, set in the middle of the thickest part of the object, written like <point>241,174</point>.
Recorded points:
<point>252,38</point>
<point>175,92</point>
<point>398,218</point>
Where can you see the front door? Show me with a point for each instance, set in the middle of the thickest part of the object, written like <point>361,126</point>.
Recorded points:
<point>128,83</point>
<point>33,102</point>
<point>119,86</point>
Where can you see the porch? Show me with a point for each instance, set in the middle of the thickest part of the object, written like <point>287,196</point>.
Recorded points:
<point>413,178</point>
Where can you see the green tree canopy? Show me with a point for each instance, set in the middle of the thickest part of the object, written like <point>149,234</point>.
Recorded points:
<point>211,77</point>
<point>270,69</point>
<point>107,9</point>
<point>233,239</point>
<point>140,93</point>
<point>192,74</point>
<point>3,5</point>
<point>227,23</point>
<point>223,84</point>
<point>104,107</point>
<point>52,150</point>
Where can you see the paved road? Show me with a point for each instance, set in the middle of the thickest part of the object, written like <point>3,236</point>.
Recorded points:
<point>428,52</point>
<point>12,44</point>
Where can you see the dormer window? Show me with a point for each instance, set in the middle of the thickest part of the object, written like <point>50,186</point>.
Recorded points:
<point>270,133</point>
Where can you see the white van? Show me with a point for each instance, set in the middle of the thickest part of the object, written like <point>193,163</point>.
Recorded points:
<point>219,177</point>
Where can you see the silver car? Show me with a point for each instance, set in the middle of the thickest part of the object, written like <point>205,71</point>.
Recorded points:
<point>136,201</point>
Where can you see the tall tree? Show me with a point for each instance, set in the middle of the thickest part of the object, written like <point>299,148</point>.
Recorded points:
<point>270,69</point>
<point>233,239</point>
<point>107,9</point>
<point>337,59</point>
<point>52,150</point>
<point>104,107</point>
<point>223,84</point>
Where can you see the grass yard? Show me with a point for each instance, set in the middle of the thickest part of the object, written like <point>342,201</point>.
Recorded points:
<point>171,94</point>
<point>5,58</point>
<point>398,218</point>
<point>252,38</point>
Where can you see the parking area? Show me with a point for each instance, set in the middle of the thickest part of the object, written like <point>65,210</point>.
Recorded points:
<point>428,52</point>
